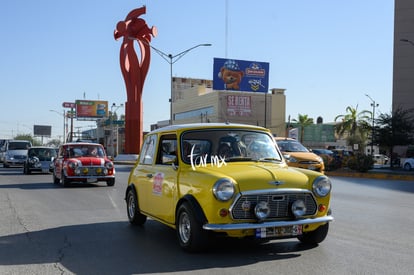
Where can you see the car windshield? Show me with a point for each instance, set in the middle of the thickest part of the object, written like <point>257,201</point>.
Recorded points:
<point>291,146</point>
<point>19,145</point>
<point>86,151</point>
<point>43,154</point>
<point>228,145</point>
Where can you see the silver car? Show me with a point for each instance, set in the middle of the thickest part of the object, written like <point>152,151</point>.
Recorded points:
<point>16,152</point>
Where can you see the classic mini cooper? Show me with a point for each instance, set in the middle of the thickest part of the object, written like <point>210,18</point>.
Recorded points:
<point>210,180</point>
<point>39,159</point>
<point>83,163</point>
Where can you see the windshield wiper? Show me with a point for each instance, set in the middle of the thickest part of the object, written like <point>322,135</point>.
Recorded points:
<point>268,159</point>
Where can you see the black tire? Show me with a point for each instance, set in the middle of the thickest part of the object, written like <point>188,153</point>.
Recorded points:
<point>55,179</point>
<point>110,182</point>
<point>407,167</point>
<point>134,215</point>
<point>191,235</point>
<point>316,236</point>
<point>26,170</point>
<point>64,180</point>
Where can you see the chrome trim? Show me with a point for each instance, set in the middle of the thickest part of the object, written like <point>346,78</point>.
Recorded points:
<point>244,226</point>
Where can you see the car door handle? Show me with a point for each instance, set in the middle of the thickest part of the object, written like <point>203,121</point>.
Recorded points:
<point>149,176</point>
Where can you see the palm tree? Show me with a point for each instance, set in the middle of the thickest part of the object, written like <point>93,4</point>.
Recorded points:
<point>356,125</point>
<point>303,121</point>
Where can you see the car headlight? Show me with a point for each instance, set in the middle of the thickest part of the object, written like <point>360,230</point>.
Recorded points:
<point>298,208</point>
<point>72,165</point>
<point>292,159</point>
<point>223,189</point>
<point>262,210</point>
<point>109,165</point>
<point>322,186</point>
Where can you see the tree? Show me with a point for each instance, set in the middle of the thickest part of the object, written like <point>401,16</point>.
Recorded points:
<point>394,129</point>
<point>356,125</point>
<point>303,121</point>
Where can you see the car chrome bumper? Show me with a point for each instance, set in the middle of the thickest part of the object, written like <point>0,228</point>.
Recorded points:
<point>242,226</point>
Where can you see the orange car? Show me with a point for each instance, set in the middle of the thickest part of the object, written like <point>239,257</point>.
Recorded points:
<point>298,155</point>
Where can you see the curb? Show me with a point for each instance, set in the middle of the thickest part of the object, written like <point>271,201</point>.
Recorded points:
<point>371,175</point>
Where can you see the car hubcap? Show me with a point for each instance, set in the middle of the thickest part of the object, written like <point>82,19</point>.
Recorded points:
<point>184,227</point>
<point>131,206</point>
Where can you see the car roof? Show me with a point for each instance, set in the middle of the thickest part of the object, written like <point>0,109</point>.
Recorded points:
<point>202,126</point>
<point>80,144</point>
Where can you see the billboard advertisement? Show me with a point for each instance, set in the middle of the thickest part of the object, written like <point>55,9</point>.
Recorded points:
<point>42,130</point>
<point>240,75</point>
<point>91,109</point>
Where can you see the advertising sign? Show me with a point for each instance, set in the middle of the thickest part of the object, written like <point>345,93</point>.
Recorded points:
<point>240,75</point>
<point>42,130</point>
<point>238,105</point>
<point>91,109</point>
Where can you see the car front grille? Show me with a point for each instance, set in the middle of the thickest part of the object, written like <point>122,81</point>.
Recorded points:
<point>279,204</point>
<point>19,157</point>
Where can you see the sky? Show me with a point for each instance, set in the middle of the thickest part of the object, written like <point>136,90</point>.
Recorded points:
<point>328,55</point>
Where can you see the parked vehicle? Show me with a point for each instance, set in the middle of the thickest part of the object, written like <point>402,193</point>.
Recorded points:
<point>329,160</point>
<point>82,163</point>
<point>408,164</point>
<point>380,159</point>
<point>209,180</point>
<point>39,159</point>
<point>298,155</point>
<point>16,152</point>
<point>342,156</point>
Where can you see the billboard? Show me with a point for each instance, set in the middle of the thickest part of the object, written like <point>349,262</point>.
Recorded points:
<point>42,130</point>
<point>91,109</point>
<point>240,75</point>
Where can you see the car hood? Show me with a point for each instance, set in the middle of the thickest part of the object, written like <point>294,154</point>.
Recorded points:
<point>261,175</point>
<point>304,156</point>
<point>90,161</point>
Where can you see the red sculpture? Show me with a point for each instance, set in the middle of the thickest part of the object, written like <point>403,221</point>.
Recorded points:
<point>134,72</point>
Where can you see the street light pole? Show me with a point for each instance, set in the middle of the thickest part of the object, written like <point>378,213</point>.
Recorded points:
<point>64,123</point>
<point>111,125</point>
<point>373,104</point>
<point>171,59</point>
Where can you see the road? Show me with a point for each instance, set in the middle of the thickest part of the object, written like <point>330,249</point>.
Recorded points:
<point>48,229</point>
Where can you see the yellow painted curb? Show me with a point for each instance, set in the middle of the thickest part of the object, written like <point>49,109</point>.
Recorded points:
<point>376,175</point>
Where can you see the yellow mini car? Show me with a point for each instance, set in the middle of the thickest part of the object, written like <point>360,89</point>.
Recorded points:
<point>209,180</point>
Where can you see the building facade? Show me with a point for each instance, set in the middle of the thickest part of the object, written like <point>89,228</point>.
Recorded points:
<point>194,100</point>
<point>403,71</point>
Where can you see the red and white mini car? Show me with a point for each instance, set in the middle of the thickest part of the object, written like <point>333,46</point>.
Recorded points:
<point>83,163</point>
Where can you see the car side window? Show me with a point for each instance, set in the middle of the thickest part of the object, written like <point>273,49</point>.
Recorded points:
<point>148,150</point>
<point>167,151</point>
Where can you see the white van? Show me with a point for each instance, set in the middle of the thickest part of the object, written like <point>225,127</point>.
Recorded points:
<point>16,152</point>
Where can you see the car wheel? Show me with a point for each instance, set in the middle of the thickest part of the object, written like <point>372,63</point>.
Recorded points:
<point>407,167</point>
<point>65,181</point>
<point>55,179</point>
<point>5,165</point>
<point>315,236</point>
<point>191,235</point>
<point>110,182</point>
<point>134,216</point>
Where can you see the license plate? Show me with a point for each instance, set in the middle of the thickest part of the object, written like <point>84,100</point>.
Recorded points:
<point>284,231</point>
